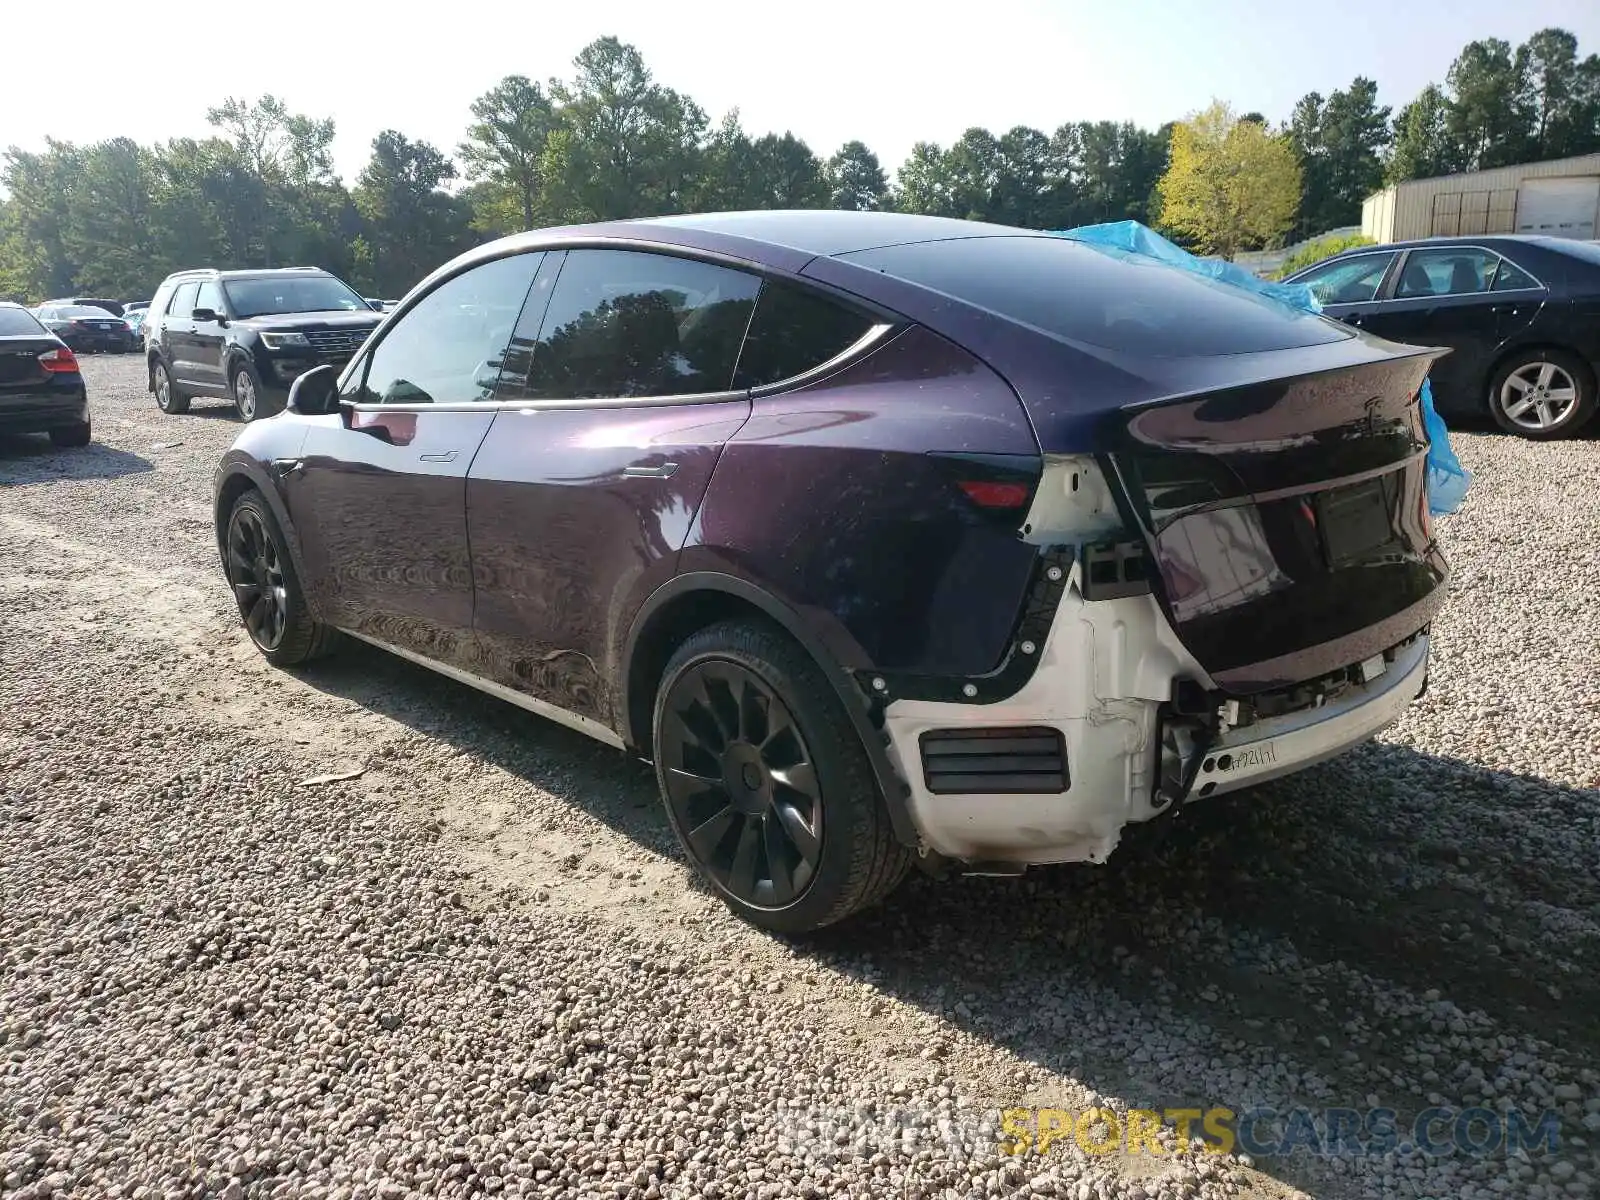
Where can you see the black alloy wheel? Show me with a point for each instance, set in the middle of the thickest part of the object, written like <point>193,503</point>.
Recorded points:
<point>766,782</point>
<point>255,569</point>
<point>741,784</point>
<point>266,588</point>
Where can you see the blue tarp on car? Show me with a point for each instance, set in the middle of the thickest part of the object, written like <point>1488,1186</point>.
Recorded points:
<point>1448,480</point>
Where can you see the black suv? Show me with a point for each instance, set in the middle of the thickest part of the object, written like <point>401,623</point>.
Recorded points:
<point>247,335</point>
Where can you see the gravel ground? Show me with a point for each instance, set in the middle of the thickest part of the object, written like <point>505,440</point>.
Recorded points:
<point>479,966</point>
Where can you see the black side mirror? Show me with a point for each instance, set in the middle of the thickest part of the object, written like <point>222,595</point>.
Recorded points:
<point>203,314</point>
<point>377,305</point>
<point>314,394</point>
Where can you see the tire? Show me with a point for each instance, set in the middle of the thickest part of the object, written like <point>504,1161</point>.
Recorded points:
<point>72,435</point>
<point>781,816</point>
<point>168,398</point>
<point>245,388</point>
<point>1542,394</point>
<point>266,589</point>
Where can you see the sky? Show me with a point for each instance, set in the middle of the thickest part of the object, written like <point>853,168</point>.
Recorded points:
<point>827,70</point>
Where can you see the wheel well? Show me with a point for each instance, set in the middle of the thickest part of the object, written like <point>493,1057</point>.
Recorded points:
<point>667,629</point>
<point>1532,348</point>
<point>228,495</point>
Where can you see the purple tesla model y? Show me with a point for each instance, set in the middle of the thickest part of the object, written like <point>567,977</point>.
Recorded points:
<point>888,539</point>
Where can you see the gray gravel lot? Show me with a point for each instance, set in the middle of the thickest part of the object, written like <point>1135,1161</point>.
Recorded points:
<point>480,967</point>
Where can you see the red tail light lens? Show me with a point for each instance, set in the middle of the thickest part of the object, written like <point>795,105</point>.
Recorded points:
<point>988,494</point>
<point>58,362</point>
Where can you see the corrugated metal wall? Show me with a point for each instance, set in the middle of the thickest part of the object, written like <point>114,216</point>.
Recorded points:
<point>1454,205</point>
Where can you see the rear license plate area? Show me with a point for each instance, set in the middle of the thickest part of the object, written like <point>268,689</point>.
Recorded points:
<point>1357,522</point>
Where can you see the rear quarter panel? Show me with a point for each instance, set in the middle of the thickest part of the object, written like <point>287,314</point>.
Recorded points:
<point>829,501</point>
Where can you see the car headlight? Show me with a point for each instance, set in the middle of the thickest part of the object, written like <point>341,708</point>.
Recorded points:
<point>285,341</point>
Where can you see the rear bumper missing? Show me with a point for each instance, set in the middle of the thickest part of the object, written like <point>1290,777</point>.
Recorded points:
<point>1106,673</point>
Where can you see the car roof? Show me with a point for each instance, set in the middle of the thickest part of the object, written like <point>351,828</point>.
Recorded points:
<point>833,232</point>
<point>245,273</point>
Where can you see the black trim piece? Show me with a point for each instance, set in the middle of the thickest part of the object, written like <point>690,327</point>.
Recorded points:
<point>1030,760</point>
<point>1022,657</point>
<point>896,794</point>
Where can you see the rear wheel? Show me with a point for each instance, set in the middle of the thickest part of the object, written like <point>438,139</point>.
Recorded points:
<point>168,398</point>
<point>766,783</point>
<point>267,590</point>
<point>72,435</point>
<point>1543,394</point>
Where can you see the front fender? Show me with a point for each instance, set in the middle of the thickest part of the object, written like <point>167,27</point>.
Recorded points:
<point>239,472</point>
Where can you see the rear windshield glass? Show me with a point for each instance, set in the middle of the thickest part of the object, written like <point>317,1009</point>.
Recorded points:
<point>1103,298</point>
<point>14,321</point>
<point>83,312</point>
<point>291,294</point>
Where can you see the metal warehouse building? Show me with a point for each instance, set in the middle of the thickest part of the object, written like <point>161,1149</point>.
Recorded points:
<point>1559,198</point>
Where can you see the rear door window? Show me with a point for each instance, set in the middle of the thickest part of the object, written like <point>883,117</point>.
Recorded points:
<point>627,323</point>
<point>1103,298</point>
<point>795,330</point>
<point>1454,271</point>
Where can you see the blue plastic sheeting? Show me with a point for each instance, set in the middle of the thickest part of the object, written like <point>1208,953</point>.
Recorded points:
<point>1448,480</point>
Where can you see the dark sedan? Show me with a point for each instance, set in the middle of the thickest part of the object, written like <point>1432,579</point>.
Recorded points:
<point>1520,315</point>
<point>41,389</point>
<point>889,539</point>
<point>88,329</point>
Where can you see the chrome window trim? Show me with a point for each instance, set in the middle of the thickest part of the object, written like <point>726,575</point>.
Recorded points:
<point>856,348</point>
<point>542,708</point>
<point>1538,284</point>
<point>1374,252</point>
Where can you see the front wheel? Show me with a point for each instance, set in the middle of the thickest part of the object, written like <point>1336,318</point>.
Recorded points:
<point>1543,394</point>
<point>766,783</point>
<point>246,391</point>
<point>266,588</point>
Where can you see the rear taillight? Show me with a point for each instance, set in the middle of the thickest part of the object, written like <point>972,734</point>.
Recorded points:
<point>989,494</point>
<point>59,361</point>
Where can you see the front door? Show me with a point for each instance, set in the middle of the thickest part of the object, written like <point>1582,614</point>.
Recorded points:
<point>207,337</point>
<point>1348,288</point>
<point>1447,296</point>
<point>378,495</point>
<point>619,399</point>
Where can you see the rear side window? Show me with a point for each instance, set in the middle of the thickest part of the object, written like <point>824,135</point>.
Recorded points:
<point>17,322</point>
<point>1509,277</point>
<point>794,330</point>
<point>624,323</point>
<point>1103,298</point>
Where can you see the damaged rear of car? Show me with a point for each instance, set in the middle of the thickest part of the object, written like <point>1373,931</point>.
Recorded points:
<point>1237,567</point>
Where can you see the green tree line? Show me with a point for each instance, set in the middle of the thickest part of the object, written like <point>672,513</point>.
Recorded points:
<point>612,141</point>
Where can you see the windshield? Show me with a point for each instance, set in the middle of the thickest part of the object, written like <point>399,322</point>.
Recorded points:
<point>291,294</point>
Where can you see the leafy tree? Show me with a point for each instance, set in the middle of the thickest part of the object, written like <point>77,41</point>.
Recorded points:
<point>413,226</point>
<point>1422,145</point>
<point>1562,93</point>
<point>1339,142</point>
<point>634,146</point>
<point>855,179</point>
<point>504,149</point>
<point>1490,118</point>
<point>923,184</point>
<point>1231,185</point>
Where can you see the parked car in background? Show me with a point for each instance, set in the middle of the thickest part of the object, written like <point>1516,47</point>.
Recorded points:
<point>247,335</point>
<point>133,306</point>
<point>135,319</point>
<point>41,388</point>
<point>885,537</point>
<point>114,307</point>
<point>1520,315</point>
<point>85,328</point>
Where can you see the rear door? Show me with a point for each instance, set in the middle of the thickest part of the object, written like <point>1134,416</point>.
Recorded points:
<point>378,494</point>
<point>1445,296</point>
<point>619,399</point>
<point>177,333</point>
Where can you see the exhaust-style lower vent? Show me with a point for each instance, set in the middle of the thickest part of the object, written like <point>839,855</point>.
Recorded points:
<point>1030,759</point>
